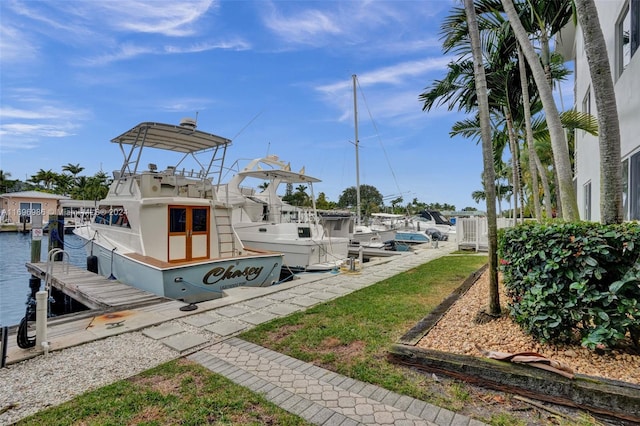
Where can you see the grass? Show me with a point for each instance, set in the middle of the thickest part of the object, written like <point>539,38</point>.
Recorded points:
<point>176,393</point>
<point>351,335</point>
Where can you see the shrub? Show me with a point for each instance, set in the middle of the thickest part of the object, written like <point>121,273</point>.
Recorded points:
<point>569,282</point>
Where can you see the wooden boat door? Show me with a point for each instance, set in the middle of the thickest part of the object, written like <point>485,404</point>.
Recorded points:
<point>188,233</point>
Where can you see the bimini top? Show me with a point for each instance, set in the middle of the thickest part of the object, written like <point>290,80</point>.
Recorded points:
<point>284,175</point>
<point>183,138</point>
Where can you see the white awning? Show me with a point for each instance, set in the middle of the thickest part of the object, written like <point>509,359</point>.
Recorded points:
<point>170,137</point>
<point>285,175</point>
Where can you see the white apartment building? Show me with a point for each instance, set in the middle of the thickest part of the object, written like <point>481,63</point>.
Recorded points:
<point>620,22</point>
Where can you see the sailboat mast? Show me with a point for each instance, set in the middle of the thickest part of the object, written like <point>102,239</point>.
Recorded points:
<point>355,120</point>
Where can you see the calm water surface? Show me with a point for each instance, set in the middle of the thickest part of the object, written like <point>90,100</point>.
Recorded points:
<point>15,251</point>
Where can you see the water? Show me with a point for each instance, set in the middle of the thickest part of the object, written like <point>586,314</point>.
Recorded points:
<point>15,252</point>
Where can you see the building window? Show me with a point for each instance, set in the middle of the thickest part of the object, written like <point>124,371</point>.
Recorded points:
<point>627,34</point>
<point>623,39</point>
<point>586,102</point>
<point>587,201</point>
<point>29,210</point>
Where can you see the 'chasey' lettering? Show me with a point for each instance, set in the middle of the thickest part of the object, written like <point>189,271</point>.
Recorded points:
<point>215,275</point>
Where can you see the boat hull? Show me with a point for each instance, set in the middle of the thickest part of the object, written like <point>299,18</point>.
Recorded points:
<point>374,237</point>
<point>410,237</point>
<point>192,282</point>
<point>304,255</point>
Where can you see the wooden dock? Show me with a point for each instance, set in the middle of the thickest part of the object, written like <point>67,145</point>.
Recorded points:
<point>93,290</point>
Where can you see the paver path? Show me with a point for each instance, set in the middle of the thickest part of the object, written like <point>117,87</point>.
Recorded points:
<point>318,395</point>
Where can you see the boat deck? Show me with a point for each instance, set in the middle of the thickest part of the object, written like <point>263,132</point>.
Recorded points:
<point>156,262</point>
<point>93,290</point>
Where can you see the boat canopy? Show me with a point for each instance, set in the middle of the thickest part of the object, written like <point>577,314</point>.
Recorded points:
<point>285,175</point>
<point>170,137</point>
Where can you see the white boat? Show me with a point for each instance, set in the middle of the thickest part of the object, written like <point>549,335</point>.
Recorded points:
<point>164,231</point>
<point>374,235</point>
<point>424,228</point>
<point>436,220</point>
<point>265,221</point>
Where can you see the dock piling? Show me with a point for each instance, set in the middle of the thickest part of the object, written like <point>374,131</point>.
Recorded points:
<point>5,342</point>
<point>41,319</point>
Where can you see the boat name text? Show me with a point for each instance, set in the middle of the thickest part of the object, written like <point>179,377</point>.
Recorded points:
<point>218,274</point>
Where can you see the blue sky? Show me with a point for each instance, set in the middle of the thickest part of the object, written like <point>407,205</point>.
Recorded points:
<point>273,76</point>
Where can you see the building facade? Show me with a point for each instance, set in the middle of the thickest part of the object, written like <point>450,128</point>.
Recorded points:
<point>26,207</point>
<point>620,23</point>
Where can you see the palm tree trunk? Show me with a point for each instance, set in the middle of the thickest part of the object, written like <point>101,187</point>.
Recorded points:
<point>487,155</point>
<point>558,141</point>
<point>529,133</point>
<point>515,167</point>
<point>611,210</point>
<point>557,191</point>
<point>545,184</point>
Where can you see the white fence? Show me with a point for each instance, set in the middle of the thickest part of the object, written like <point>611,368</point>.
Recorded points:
<point>472,232</point>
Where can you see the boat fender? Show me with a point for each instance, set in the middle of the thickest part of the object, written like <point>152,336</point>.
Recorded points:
<point>92,264</point>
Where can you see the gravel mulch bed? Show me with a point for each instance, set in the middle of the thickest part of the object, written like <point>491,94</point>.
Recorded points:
<point>457,333</point>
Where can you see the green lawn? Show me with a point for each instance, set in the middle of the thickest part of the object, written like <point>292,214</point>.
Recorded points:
<point>176,393</point>
<point>351,335</point>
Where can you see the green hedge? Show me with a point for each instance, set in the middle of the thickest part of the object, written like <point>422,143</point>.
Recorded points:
<point>573,282</point>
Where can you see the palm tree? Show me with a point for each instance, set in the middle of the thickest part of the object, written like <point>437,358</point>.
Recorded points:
<point>74,169</point>
<point>97,186</point>
<point>80,188</point>
<point>558,141</point>
<point>595,47</point>
<point>487,155</point>
<point>301,195</point>
<point>503,192</point>
<point>63,183</point>
<point>47,177</point>
<point>505,80</point>
<point>526,109</point>
<point>4,180</point>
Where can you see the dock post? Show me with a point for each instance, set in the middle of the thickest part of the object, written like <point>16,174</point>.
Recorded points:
<point>5,341</point>
<point>56,234</point>
<point>41,320</point>
<point>36,238</point>
<point>36,249</point>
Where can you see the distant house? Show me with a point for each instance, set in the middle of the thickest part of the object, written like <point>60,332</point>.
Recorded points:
<point>620,22</point>
<point>29,206</point>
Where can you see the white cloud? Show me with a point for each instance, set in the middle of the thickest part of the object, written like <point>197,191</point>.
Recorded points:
<point>393,75</point>
<point>30,115</point>
<point>124,52</point>
<point>43,130</point>
<point>15,45</point>
<point>237,45</point>
<point>187,104</point>
<point>347,24</point>
<point>175,19</point>
<point>306,27</point>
